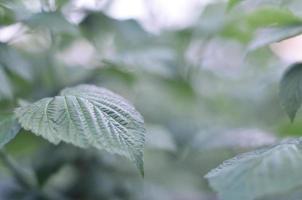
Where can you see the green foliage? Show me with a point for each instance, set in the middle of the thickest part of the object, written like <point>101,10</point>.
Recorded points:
<point>262,172</point>
<point>208,91</point>
<point>100,28</point>
<point>290,90</point>
<point>9,128</point>
<point>6,88</point>
<point>7,16</point>
<point>88,116</point>
<point>267,36</point>
<point>53,21</point>
<point>14,62</point>
<point>233,3</point>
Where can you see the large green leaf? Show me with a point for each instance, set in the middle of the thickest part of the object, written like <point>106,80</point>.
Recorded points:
<point>88,116</point>
<point>291,90</point>
<point>9,128</point>
<point>260,173</point>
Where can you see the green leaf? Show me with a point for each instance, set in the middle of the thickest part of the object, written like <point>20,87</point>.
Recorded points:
<point>270,35</point>
<point>13,61</point>
<point>232,139</point>
<point>6,91</point>
<point>88,116</point>
<point>260,173</point>
<point>7,16</point>
<point>53,21</point>
<point>291,90</point>
<point>232,4</point>
<point>9,128</point>
<point>243,28</point>
<point>61,3</point>
<point>264,17</point>
<point>99,28</point>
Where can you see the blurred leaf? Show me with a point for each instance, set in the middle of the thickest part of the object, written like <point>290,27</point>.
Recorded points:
<point>45,168</point>
<point>270,35</point>
<point>264,17</point>
<point>155,61</point>
<point>6,91</point>
<point>53,21</point>
<point>9,128</point>
<point>99,27</point>
<point>212,19</point>
<point>88,116</point>
<point>256,174</point>
<point>61,3</point>
<point>234,139</point>
<point>243,28</point>
<point>291,90</point>
<point>233,3</point>
<point>6,16</point>
<point>13,61</point>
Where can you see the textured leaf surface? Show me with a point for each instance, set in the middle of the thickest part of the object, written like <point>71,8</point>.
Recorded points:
<point>9,128</point>
<point>88,116</point>
<point>256,174</point>
<point>291,90</point>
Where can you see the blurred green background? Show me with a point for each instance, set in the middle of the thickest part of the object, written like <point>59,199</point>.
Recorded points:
<point>202,74</point>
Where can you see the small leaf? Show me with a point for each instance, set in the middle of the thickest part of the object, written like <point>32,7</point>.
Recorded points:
<point>9,128</point>
<point>291,90</point>
<point>270,35</point>
<point>88,116</point>
<point>260,173</point>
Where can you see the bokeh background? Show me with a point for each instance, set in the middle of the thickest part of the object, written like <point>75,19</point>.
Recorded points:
<point>190,67</point>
